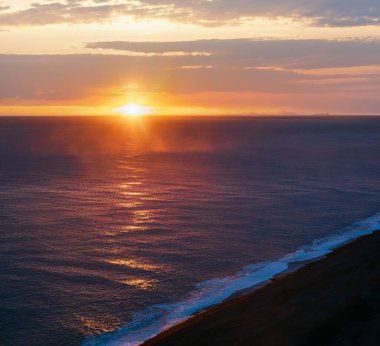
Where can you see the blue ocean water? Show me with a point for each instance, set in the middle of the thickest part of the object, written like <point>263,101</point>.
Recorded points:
<point>115,224</point>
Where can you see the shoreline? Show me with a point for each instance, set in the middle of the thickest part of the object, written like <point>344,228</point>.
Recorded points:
<point>328,301</point>
<point>166,317</point>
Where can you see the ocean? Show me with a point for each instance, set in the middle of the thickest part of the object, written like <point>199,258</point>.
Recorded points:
<point>112,228</point>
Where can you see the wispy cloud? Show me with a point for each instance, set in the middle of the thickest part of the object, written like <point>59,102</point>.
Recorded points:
<point>335,13</point>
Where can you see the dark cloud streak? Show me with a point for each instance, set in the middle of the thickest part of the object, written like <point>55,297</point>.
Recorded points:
<point>301,54</point>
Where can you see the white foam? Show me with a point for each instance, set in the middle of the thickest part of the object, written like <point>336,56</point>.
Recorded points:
<point>157,318</point>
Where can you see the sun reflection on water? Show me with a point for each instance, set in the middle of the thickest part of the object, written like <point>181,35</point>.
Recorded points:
<point>94,324</point>
<point>143,284</point>
<point>133,198</point>
<point>132,263</point>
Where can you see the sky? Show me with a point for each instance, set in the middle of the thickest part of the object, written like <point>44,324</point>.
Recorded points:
<point>189,57</point>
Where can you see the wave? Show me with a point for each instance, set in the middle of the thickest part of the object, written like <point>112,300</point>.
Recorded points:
<point>157,318</point>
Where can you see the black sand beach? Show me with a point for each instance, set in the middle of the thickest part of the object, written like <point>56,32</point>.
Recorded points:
<point>334,301</point>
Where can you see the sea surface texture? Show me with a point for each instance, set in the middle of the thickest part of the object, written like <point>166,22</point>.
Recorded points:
<point>113,228</point>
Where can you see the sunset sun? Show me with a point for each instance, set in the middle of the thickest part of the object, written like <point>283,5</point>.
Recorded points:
<point>134,110</point>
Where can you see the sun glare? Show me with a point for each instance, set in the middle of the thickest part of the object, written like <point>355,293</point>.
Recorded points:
<point>133,110</point>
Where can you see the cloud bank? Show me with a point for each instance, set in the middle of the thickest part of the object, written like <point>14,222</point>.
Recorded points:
<point>332,13</point>
<point>240,65</point>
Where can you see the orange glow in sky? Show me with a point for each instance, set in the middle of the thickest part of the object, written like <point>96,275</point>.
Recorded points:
<point>189,58</point>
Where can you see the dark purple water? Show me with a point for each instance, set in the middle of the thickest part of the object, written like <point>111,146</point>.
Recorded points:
<point>101,218</point>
